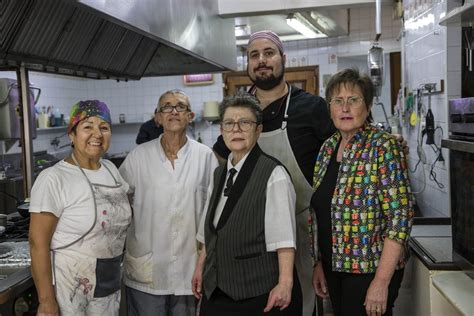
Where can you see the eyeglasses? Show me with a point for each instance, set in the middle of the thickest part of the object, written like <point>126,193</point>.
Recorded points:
<point>168,108</point>
<point>244,125</point>
<point>353,102</point>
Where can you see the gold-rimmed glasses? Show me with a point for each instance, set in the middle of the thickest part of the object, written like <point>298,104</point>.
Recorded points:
<point>353,101</point>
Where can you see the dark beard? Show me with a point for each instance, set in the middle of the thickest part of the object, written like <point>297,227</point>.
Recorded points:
<point>269,82</point>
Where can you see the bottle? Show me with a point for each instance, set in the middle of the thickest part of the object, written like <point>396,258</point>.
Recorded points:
<point>51,116</point>
<point>57,118</point>
<point>199,140</point>
<point>42,118</point>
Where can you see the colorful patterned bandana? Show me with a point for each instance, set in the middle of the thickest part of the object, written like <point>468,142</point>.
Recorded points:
<point>84,109</point>
<point>269,35</point>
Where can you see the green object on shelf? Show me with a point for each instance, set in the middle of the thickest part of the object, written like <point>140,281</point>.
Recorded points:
<point>409,102</point>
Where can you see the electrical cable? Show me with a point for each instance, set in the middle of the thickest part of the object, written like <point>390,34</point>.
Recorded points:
<point>433,174</point>
<point>420,109</point>
<point>419,144</point>
<point>439,157</point>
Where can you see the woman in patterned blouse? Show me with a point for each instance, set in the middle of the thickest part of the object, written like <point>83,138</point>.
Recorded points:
<point>363,205</point>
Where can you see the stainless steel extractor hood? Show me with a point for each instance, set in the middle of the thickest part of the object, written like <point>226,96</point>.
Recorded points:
<point>120,39</point>
<point>460,16</point>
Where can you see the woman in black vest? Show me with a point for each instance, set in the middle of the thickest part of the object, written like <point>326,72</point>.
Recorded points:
<point>248,230</point>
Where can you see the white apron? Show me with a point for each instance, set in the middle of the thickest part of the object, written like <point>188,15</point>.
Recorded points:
<point>87,272</point>
<point>276,144</point>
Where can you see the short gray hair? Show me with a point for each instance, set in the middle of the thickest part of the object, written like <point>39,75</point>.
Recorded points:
<point>174,91</point>
<point>242,100</point>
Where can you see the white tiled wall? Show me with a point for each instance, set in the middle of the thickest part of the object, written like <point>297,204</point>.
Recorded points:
<point>432,53</point>
<point>360,62</point>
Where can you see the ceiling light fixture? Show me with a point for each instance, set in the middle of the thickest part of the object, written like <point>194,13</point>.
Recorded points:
<point>242,30</point>
<point>303,26</point>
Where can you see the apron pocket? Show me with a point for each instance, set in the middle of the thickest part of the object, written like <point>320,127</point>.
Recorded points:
<point>108,276</point>
<point>139,269</point>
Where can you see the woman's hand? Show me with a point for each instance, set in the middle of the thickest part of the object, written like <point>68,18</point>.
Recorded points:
<point>280,296</point>
<point>49,308</point>
<point>376,297</point>
<point>319,281</point>
<point>196,282</point>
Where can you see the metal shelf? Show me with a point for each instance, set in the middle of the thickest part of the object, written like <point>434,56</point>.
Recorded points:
<point>461,16</point>
<point>61,128</point>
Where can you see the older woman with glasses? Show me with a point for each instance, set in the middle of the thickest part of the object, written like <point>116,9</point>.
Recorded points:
<point>168,179</point>
<point>246,263</point>
<point>363,205</point>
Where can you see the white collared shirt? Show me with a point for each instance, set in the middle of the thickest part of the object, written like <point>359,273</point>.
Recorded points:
<point>280,224</point>
<point>167,208</point>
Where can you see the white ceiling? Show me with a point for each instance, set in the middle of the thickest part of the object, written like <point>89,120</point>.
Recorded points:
<point>231,8</point>
<point>271,14</point>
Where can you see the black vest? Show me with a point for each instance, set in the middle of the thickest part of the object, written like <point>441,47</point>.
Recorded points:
<point>237,260</point>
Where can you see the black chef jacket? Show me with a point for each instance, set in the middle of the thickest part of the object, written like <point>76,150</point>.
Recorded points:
<point>309,125</point>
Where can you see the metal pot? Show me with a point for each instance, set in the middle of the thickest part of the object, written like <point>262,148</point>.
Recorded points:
<point>24,209</point>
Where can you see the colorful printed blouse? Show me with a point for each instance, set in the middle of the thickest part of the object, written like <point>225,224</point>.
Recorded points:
<point>372,199</point>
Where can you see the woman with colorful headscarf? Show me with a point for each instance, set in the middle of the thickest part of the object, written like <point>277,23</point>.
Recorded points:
<point>79,216</point>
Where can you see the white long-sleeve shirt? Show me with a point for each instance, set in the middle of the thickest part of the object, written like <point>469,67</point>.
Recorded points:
<point>280,224</point>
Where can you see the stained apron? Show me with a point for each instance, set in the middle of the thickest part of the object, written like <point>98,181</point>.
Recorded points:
<point>87,271</point>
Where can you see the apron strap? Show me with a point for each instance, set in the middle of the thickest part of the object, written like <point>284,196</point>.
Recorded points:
<point>285,117</point>
<point>95,207</point>
<point>253,91</point>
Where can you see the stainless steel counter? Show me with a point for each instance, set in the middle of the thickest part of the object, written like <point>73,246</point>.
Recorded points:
<point>432,244</point>
<point>15,284</point>
<point>15,274</point>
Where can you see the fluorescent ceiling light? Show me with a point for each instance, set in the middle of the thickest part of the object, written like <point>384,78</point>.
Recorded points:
<point>242,30</point>
<point>303,26</point>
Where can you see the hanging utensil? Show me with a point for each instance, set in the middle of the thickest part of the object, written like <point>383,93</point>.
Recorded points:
<point>471,43</point>
<point>468,36</point>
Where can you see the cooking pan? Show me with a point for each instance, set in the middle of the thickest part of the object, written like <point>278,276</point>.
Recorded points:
<point>22,207</point>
